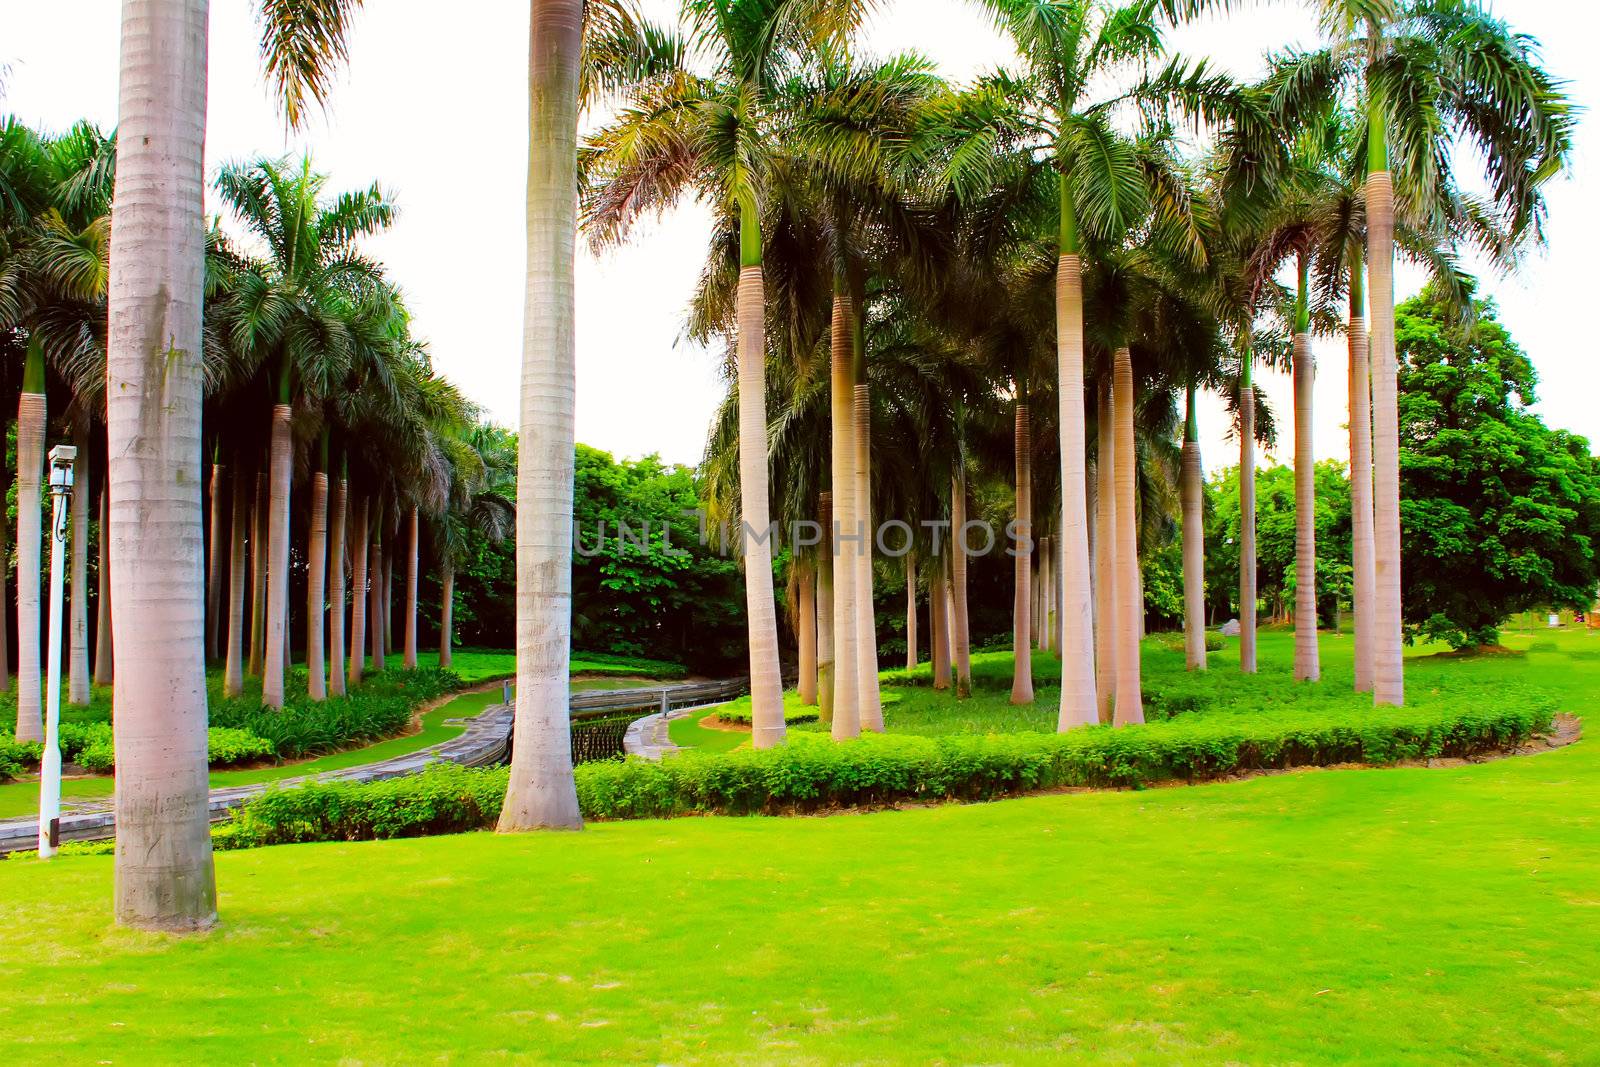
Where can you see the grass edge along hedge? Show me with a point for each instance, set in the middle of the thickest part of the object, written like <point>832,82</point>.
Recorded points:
<point>811,773</point>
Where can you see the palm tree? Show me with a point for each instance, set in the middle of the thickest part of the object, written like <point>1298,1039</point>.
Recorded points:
<point>1426,73</point>
<point>483,477</point>
<point>540,791</point>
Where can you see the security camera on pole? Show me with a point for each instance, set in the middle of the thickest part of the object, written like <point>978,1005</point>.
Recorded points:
<point>61,460</point>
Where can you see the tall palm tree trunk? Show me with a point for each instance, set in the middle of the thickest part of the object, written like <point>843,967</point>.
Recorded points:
<point>30,463</point>
<point>154,383</point>
<point>1045,579</point>
<point>78,665</point>
<point>1388,679</point>
<point>1076,620</point>
<point>1194,542</point>
<point>847,543</point>
<point>103,672</point>
<point>358,593</point>
<point>316,582</point>
<point>939,624</point>
<point>5,595</point>
<point>1022,565</point>
<point>825,639</point>
<point>806,634</point>
<point>214,559</point>
<point>959,636</point>
<point>541,791</point>
<point>866,612</point>
<point>258,578</point>
<point>411,591</point>
<point>911,611</point>
<point>447,613</point>
<point>376,622</point>
<point>1105,558</point>
<point>336,586</point>
<point>1363,577</point>
<point>238,581</point>
<point>1129,708</point>
<point>280,456</point>
<point>388,643</point>
<point>1307,663</point>
<point>1247,518</point>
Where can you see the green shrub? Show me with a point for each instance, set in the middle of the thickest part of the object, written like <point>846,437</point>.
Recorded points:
<point>16,757</point>
<point>1176,642</point>
<point>380,708</point>
<point>742,714</point>
<point>613,664</point>
<point>811,773</point>
<point>90,747</point>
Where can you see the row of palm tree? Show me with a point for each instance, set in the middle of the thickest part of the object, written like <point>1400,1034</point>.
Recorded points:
<point>1143,248</point>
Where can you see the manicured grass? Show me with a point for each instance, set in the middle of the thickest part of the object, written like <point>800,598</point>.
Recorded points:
<point>1414,915</point>
<point>688,733</point>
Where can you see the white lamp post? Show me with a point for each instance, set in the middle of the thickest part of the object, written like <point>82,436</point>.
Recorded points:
<point>61,460</point>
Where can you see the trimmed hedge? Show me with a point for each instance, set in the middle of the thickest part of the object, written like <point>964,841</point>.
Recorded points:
<point>381,708</point>
<point>742,715</point>
<point>811,773</point>
<point>225,747</point>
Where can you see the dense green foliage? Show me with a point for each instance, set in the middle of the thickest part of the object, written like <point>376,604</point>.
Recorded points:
<point>1499,513</point>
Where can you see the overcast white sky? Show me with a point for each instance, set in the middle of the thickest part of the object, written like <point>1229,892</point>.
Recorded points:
<point>434,106</point>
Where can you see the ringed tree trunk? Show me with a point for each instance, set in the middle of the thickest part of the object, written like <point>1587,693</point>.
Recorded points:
<point>447,610</point>
<point>825,631</point>
<point>258,579</point>
<point>1363,578</point>
<point>214,568</point>
<point>30,464</point>
<point>1079,705</point>
<point>866,613</point>
<point>540,791</point>
<point>847,546</point>
<point>281,456</point>
<point>388,642</point>
<point>233,669</point>
<point>1388,679</point>
<point>358,593</point>
<point>1105,558</point>
<point>939,624</point>
<point>5,596</point>
<point>768,727</point>
<point>78,668</point>
<point>1129,707</point>
<point>1194,542</point>
<point>959,635</point>
<point>1022,569</point>
<point>1247,517</point>
<point>911,611</point>
<point>336,586</point>
<point>154,382</point>
<point>103,672</point>
<point>806,633</point>
<point>411,592</point>
<point>316,580</point>
<point>1307,663</point>
<point>375,596</point>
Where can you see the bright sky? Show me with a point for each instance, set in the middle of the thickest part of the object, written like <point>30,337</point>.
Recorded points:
<point>434,106</point>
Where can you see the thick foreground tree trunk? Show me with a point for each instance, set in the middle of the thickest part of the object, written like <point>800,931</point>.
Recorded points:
<point>280,457</point>
<point>1388,679</point>
<point>214,560</point>
<point>1194,543</point>
<point>336,587</point>
<point>1307,663</point>
<point>847,546</point>
<point>411,591</point>
<point>358,593</point>
<point>78,666</point>
<point>316,576</point>
<point>1247,522</point>
<point>1022,564</point>
<point>30,465</point>
<point>1105,558</point>
<point>806,634</point>
<point>238,582</point>
<point>154,382</point>
<point>103,672</point>
<point>541,791</point>
<point>1079,704</point>
<point>1363,576</point>
<point>1129,707</point>
<point>959,632</point>
<point>868,694</point>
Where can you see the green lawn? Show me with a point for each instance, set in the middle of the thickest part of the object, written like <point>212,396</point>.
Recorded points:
<point>1414,915</point>
<point>688,733</point>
